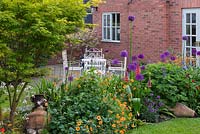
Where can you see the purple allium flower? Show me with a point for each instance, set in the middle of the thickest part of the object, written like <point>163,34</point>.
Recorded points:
<point>194,51</point>
<point>66,68</point>
<point>166,53</point>
<point>185,37</point>
<point>134,58</point>
<point>70,78</point>
<point>158,97</point>
<point>132,67</point>
<point>141,56</point>
<point>162,56</point>
<point>115,61</point>
<point>139,77</point>
<point>198,53</point>
<point>142,67</point>
<point>131,18</point>
<point>173,58</point>
<point>124,53</point>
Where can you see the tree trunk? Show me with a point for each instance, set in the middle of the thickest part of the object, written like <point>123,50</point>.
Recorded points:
<point>12,113</point>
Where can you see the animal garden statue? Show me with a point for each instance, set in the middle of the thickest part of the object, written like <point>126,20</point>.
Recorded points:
<point>38,118</point>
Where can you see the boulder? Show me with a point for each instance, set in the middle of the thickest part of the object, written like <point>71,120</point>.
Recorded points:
<point>181,110</point>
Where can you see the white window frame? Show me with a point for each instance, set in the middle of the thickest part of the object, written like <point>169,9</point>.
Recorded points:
<point>109,38</point>
<point>189,45</point>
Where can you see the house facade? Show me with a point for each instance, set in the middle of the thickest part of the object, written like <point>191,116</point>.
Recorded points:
<point>158,26</point>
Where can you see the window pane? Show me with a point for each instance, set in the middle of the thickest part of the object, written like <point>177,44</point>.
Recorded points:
<point>113,19</point>
<point>108,20</point>
<point>118,19</point>
<point>193,18</point>
<point>188,52</point>
<point>118,33</point>
<point>104,20</point>
<point>188,29</point>
<point>188,41</point>
<point>193,29</point>
<point>113,34</point>
<point>104,33</point>
<point>108,33</point>
<point>187,18</point>
<point>193,41</point>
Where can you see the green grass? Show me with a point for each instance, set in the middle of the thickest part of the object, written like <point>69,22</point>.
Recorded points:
<point>174,126</point>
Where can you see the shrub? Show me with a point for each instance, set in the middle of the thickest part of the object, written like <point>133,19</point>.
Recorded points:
<point>90,105</point>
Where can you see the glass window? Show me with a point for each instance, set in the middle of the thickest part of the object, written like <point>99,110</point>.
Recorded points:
<point>111,27</point>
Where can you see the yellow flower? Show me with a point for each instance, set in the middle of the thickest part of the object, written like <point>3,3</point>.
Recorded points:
<point>9,125</point>
<point>79,123</point>
<point>113,125</point>
<point>77,128</point>
<point>110,111</point>
<point>98,117</point>
<point>134,88</point>
<point>66,88</point>
<point>130,114</point>
<point>124,86</point>
<point>132,125</point>
<point>79,86</point>
<point>100,122</point>
<point>131,80</point>
<point>91,129</point>
<point>76,78</point>
<point>117,116</point>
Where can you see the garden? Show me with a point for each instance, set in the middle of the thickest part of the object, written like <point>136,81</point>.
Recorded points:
<point>148,99</point>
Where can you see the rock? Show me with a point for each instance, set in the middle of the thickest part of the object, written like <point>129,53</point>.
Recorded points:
<point>181,110</point>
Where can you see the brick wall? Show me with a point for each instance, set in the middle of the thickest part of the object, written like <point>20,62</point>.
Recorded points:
<point>158,26</point>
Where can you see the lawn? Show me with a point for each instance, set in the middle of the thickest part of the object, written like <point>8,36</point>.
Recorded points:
<point>174,126</point>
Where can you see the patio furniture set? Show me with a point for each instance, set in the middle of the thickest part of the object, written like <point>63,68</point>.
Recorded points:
<point>93,58</point>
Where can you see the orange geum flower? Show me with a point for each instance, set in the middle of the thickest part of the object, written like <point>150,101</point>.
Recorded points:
<point>122,119</point>
<point>121,132</point>
<point>98,117</point>
<point>91,129</point>
<point>100,122</point>
<point>113,125</point>
<point>77,128</point>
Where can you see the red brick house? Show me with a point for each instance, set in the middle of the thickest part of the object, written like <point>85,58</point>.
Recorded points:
<point>158,26</point>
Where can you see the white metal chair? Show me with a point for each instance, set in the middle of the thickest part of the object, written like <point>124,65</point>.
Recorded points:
<point>98,63</point>
<point>93,53</point>
<point>119,68</point>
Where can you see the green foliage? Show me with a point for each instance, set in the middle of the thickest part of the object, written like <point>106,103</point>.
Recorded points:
<point>30,33</point>
<point>87,106</point>
<point>174,84</point>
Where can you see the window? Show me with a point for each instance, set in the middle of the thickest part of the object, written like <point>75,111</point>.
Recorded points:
<point>111,27</point>
<point>191,26</point>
